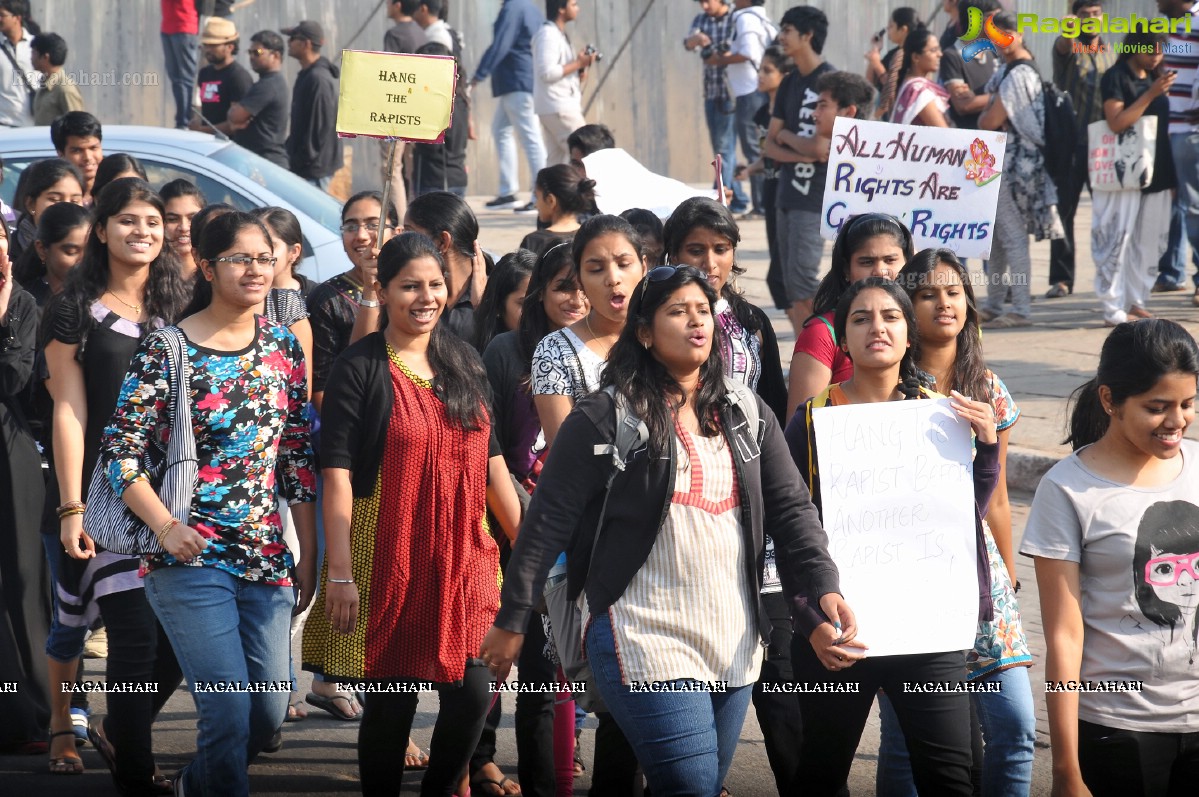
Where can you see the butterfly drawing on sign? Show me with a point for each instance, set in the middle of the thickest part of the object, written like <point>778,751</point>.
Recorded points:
<point>980,166</point>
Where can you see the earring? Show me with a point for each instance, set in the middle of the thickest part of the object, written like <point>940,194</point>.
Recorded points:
<point>645,344</point>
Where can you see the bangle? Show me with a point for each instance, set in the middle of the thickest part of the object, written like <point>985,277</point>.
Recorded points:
<point>162,533</point>
<point>64,510</point>
<point>369,303</point>
<point>66,513</point>
<point>340,580</point>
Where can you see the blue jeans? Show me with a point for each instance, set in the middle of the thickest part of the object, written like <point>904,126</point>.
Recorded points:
<point>64,643</point>
<point>1172,268</point>
<point>514,111</point>
<point>322,183</point>
<point>181,51</point>
<point>1009,731</point>
<point>226,630</point>
<point>684,740</point>
<point>722,132</point>
<point>747,107</point>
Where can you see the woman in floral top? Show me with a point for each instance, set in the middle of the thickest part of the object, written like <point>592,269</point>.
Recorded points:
<point>223,589</point>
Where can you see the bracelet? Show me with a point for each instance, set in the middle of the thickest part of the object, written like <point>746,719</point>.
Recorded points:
<point>340,580</point>
<point>369,303</point>
<point>66,513</point>
<point>64,510</point>
<point>162,533</point>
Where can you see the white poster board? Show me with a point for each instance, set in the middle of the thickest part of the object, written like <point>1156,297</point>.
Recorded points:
<point>621,183</point>
<point>943,183</point>
<point>897,495</point>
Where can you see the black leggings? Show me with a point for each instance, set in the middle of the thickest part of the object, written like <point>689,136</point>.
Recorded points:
<point>138,653</point>
<point>387,721</point>
<point>1119,763</point>
<point>936,725</point>
<point>778,711</point>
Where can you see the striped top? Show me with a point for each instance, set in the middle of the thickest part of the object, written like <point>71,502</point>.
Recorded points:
<point>1182,55</point>
<point>689,613</point>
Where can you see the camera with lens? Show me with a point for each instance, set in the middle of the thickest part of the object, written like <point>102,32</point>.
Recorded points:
<point>594,53</point>
<point>712,49</point>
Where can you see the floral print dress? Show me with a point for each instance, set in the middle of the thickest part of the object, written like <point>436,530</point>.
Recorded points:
<point>250,428</point>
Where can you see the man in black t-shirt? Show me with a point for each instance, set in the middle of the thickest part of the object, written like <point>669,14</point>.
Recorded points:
<point>222,81</point>
<point>259,121</point>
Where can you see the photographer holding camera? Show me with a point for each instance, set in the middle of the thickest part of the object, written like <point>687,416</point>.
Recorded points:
<point>557,73</point>
<point>712,37</point>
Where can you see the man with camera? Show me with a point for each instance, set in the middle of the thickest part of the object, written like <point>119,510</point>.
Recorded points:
<point>557,74</point>
<point>712,35</point>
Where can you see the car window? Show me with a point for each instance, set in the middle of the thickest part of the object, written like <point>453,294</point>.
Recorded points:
<point>12,173</point>
<point>312,201</point>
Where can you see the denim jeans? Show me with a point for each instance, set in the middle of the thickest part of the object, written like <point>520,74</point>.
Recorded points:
<point>64,643</point>
<point>322,183</point>
<point>181,51</point>
<point>722,133</point>
<point>1172,268</point>
<point>514,112</point>
<point>1008,729</point>
<point>1186,165</point>
<point>747,107</point>
<point>226,630</point>
<point>684,740</point>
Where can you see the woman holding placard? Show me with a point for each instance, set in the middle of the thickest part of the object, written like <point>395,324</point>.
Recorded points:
<point>1114,533</point>
<point>1129,227</point>
<point>877,328</point>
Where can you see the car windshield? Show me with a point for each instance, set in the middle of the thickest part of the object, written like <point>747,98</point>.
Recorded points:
<point>305,197</point>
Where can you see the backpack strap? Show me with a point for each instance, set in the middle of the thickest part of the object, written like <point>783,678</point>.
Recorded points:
<point>631,434</point>
<point>746,437</point>
<point>832,333</point>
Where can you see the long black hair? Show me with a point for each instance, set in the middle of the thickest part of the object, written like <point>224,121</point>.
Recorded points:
<point>547,275</point>
<point>969,373</point>
<point>1134,357</point>
<point>459,378</point>
<point>219,234</point>
<point>116,164</point>
<point>56,223</point>
<point>441,211</point>
<point>511,270</point>
<point>909,374</point>
<point>700,211</point>
<point>166,293</point>
<point>652,393</point>
<point>854,233</point>
<point>914,44</point>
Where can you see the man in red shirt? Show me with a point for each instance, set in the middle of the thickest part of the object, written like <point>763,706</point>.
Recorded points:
<point>180,49</point>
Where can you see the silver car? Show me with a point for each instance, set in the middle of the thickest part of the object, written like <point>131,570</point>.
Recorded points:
<point>224,171</point>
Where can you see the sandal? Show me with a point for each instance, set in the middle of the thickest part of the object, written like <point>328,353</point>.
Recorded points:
<point>68,763</point>
<point>1008,321</point>
<point>296,711</point>
<point>414,757</point>
<point>1059,290</point>
<point>327,704</point>
<point>479,781</point>
<point>159,783</point>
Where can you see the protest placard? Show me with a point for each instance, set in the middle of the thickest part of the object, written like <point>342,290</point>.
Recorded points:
<point>897,501</point>
<point>395,95</point>
<point>941,182</point>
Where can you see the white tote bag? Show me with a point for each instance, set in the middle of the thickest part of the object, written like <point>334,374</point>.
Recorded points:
<point>1121,161</point>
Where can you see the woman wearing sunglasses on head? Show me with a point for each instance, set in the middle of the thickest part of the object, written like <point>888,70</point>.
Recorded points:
<point>673,579</point>
<point>1114,533</point>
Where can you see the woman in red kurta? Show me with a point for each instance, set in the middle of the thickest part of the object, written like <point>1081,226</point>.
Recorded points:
<point>411,576</point>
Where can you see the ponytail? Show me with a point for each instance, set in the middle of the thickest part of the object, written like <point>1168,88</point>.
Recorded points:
<point>1088,421</point>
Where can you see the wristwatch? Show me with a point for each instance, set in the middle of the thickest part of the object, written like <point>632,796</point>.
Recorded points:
<point>369,303</point>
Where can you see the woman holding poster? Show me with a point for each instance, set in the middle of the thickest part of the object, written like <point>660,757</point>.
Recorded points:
<point>920,101</point>
<point>877,328</point>
<point>1114,533</point>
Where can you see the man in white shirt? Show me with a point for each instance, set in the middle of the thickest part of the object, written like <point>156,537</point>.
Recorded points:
<point>428,16</point>
<point>16,65</point>
<point>557,72</point>
<point>753,32</point>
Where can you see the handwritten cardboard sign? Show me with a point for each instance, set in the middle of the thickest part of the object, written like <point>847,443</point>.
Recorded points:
<point>1121,161</point>
<point>897,493</point>
<point>395,96</point>
<point>941,182</point>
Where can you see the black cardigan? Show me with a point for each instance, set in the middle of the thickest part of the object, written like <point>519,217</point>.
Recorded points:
<point>570,492</point>
<point>772,387</point>
<point>356,411</point>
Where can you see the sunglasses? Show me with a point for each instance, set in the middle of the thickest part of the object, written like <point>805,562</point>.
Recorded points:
<point>260,51</point>
<point>1164,571</point>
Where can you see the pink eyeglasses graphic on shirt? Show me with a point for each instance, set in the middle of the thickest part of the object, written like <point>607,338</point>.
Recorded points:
<point>1164,571</point>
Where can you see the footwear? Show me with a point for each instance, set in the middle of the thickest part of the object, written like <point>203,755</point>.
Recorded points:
<point>501,202</point>
<point>1059,290</point>
<point>327,704</point>
<point>1165,287</point>
<point>525,210</point>
<point>415,758</point>
<point>1008,321</point>
<point>504,785</point>
<point>1139,312</point>
<point>294,710</point>
<point>79,724</point>
<point>738,210</point>
<point>96,646</point>
<point>754,215</point>
<point>68,763</point>
<point>275,744</point>
<point>985,314</point>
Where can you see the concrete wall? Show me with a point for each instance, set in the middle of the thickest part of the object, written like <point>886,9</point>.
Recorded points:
<point>651,86</point>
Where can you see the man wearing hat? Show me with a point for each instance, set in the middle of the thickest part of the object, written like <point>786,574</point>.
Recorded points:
<point>222,81</point>
<point>313,148</point>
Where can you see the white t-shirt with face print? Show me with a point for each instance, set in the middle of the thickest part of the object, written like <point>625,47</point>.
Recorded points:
<point>1138,555</point>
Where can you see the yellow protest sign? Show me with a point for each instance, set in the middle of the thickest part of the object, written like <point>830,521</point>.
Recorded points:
<point>395,95</point>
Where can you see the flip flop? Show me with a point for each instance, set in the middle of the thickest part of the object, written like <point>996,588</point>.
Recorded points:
<point>414,752</point>
<point>65,764</point>
<point>326,704</point>
<point>293,711</point>
<point>478,781</point>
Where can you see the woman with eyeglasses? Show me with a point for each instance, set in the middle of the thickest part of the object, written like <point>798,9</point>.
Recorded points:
<point>673,581</point>
<point>1114,534</point>
<point>226,585</point>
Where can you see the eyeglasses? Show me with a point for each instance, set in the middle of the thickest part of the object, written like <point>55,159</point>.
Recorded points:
<point>1164,571</point>
<point>244,261</point>
<point>351,227</point>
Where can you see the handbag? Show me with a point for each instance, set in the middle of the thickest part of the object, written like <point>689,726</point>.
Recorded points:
<point>1121,161</point>
<point>173,471</point>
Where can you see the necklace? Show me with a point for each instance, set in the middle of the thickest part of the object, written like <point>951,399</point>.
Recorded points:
<point>595,337</point>
<point>137,308</point>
